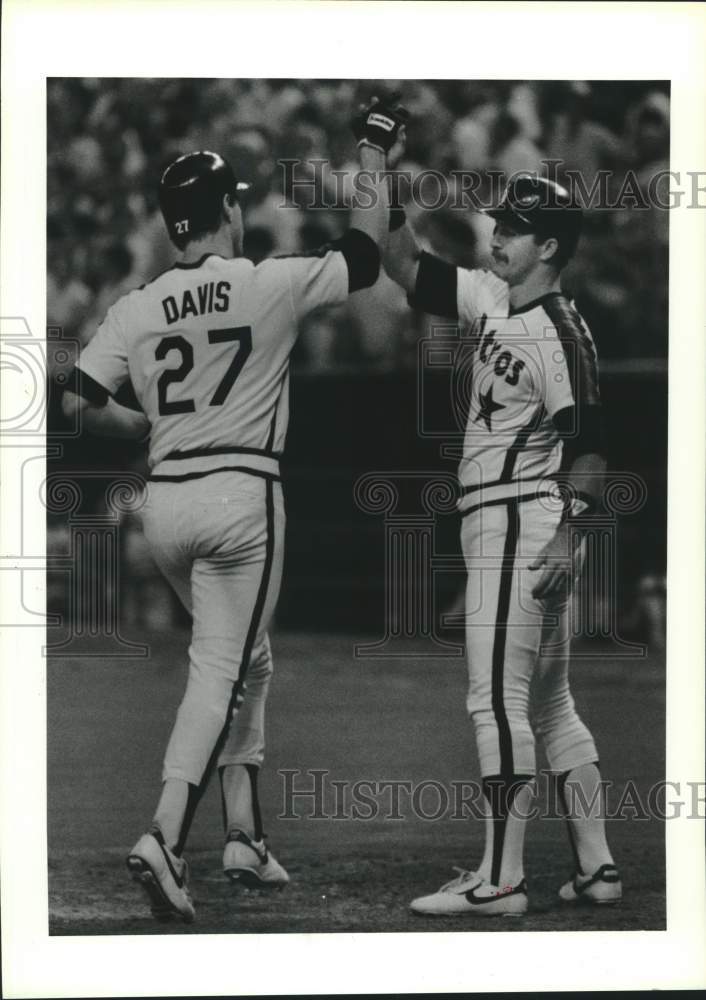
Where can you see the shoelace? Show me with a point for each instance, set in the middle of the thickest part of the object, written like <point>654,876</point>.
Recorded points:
<point>463,876</point>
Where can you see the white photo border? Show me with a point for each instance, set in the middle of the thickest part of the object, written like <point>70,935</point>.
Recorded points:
<point>387,40</point>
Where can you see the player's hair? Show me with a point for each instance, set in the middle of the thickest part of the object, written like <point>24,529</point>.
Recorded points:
<point>567,243</point>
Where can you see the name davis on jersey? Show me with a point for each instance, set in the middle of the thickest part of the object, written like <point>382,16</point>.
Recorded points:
<point>210,297</point>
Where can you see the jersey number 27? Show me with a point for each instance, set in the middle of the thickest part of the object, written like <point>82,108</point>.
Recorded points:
<point>241,335</point>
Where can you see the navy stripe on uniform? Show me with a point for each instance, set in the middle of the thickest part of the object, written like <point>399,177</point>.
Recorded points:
<point>180,265</point>
<point>196,791</point>
<point>578,349</point>
<point>264,584</point>
<point>177,456</point>
<point>507,573</point>
<point>501,500</point>
<point>467,490</point>
<point>500,793</point>
<point>520,442</point>
<point>269,476</point>
<point>273,425</point>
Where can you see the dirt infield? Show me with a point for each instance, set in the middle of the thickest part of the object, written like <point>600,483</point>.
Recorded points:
<point>351,720</point>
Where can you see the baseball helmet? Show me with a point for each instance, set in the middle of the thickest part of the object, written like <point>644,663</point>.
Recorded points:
<point>191,193</point>
<point>532,204</point>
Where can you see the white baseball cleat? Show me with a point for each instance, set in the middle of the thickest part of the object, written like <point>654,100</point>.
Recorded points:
<point>471,894</point>
<point>600,889</point>
<point>249,863</point>
<point>163,876</point>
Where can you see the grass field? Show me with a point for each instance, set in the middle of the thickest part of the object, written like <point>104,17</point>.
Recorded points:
<point>379,720</point>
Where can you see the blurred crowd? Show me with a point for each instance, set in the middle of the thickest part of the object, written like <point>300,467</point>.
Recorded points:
<point>109,141</point>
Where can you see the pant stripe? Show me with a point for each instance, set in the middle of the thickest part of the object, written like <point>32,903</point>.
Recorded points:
<point>196,791</point>
<point>561,786</point>
<point>262,591</point>
<point>499,643</point>
<point>500,794</point>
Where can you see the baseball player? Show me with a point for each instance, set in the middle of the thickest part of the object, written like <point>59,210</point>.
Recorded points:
<point>206,345</point>
<point>533,423</point>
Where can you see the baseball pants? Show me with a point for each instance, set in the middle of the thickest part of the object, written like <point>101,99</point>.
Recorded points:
<point>517,646</point>
<point>219,541</point>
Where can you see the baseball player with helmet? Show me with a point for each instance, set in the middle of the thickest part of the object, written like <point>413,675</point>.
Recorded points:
<point>531,476</point>
<point>206,345</point>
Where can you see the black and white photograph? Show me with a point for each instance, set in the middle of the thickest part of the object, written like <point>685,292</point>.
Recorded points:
<point>344,528</point>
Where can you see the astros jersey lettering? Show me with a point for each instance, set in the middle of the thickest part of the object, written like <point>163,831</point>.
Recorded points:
<point>529,365</point>
<point>533,390</point>
<point>534,369</point>
<point>525,385</point>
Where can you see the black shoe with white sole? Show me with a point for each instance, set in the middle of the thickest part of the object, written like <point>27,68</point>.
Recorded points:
<point>603,888</point>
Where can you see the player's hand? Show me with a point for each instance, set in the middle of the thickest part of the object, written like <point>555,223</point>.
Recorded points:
<point>239,696</point>
<point>556,561</point>
<point>379,124</point>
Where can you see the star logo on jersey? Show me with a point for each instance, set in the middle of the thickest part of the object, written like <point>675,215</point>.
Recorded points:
<point>488,406</point>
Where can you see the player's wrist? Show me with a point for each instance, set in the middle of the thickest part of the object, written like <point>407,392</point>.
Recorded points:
<point>580,511</point>
<point>371,156</point>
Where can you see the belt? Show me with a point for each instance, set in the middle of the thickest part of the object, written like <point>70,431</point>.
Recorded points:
<point>181,466</point>
<point>520,491</point>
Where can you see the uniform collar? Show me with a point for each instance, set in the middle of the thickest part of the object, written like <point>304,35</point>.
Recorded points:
<point>197,263</point>
<point>534,303</point>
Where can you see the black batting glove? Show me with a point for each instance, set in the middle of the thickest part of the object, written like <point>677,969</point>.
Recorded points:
<point>379,123</point>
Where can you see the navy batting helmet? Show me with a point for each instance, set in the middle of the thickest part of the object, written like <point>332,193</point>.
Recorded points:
<point>533,204</point>
<point>191,194</point>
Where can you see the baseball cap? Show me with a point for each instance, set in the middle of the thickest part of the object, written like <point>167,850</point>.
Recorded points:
<point>532,204</point>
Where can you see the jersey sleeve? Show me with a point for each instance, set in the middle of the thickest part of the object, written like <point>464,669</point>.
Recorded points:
<point>570,369</point>
<point>443,289</point>
<point>317,281</point>
<point>479,293</point>
<point>435,287</point>
<point>104,358</point>
<point>569,362</point>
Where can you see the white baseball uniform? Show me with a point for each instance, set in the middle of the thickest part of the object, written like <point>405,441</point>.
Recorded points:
<point>207,347</point>
<point>531,395</point>
<point>530,366</point>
